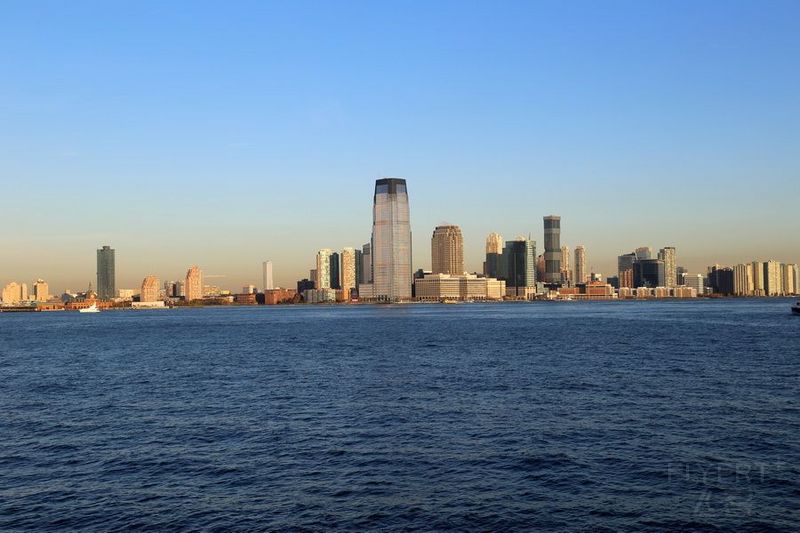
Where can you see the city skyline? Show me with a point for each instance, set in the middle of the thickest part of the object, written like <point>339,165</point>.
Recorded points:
<point>689,137</point>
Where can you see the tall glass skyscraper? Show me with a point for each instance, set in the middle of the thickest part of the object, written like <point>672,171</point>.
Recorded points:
<point>106,274</point>
<point>391,241</point>
<point>552,249</point>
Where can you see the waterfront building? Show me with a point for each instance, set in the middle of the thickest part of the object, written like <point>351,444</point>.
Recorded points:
<point>391,243</point>
<point>644,253</point>
<point>359,267</point>
<point>437,287</point>
<point>335,272</point>
<point>696,282</point>
<point>743,280</point>
<point>540,273</point>
<point>348,271</point>
<point>669,256</point>
<point>193,286</point>
<point>305,284</point>
<point>758,279</point>
<point>566,266</point>
<point>322,273</point>
<point>150,288</point>
<point>625,270</point>
<point>681,274</point>
<point>280,296</point>
<point>13,293</point>
<point>106,273</point>
<point>316,296</point>
<point>266,276</point>
<point>518,267</point>
<point>41,291</point>
<point>648,273</point>
<point>788,275</point>
<point>366,264</point>
<point>447,250</point>
<point>552,249</point>
<point>580,264</point>
<point>494,249</point>
<point>127,294</point>
<point>721,280</point>
<point>249,289</point>
<point>773,279</point>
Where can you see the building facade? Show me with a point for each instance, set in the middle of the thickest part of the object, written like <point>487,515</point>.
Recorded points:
<point>670,258</point>
<point>322,274</point>
<point>552,249</point>
<point>41,291</point>
<point>438,287</point>
<point>648,273</point>
<point>447,250</point>
<point>150,288</point>
<point>348,270</point>
<point>193,286</point>
<point>566,267</point>
<point>266,275</point>
<point>580,264</point>
<point>106,273</point>
<point>518,267</point>
<point>625,270</point>
<point>494,250</point>
<point>391,243</point>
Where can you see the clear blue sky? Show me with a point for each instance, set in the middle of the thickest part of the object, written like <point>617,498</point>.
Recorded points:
<point>227,133</point>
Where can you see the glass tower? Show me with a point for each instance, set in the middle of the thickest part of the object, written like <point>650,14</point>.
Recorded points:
<point>552,249</point>
<point>391,241</point>
<point>106,276</point>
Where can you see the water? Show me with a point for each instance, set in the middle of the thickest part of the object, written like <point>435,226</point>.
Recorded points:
<point>624,415</point>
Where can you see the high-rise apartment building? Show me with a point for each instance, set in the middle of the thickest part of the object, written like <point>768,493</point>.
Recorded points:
<point>580,264</point>
<point>391,243</point>
<point>773,279</point>
<point>150,288</point>
<point>266,276</point>
<point>759,288</point>
<point>41,292</point>
<point>494,251</point>
<point>322,273</point>
<point>566,266</point>
<point>193,287</point>
<point>447,250</point>
<point>349,263</point>
<point>743,280</point>
<point>788,275</point>
<point>625,270</point>
<point>518,267</point>
<point>106,274</point>
<point>13,293</point>
<point>670,258</point>
<point>552,250</point>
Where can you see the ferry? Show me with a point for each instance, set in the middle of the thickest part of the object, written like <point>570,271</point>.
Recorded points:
<point>796,308</point>
<point>91,309</point>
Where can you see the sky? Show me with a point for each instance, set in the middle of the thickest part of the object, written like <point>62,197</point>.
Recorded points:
<point>223,134</point>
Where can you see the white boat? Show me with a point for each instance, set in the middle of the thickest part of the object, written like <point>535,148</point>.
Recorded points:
<point>796,309</point>
<point>91,309</point>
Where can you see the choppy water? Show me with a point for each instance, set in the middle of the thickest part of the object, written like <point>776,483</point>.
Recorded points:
<point>637,415</point>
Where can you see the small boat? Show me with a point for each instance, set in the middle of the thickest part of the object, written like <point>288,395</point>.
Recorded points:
<point>796,309</point>
<point>91,309</point>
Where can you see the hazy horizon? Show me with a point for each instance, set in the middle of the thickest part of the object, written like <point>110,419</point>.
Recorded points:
<point>224,136</point>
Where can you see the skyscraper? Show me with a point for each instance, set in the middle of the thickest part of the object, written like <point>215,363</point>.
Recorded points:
<point>41,292</point>
<point>648,273</point>
<point>758,279</point>
<point>518,267</point>
<point>494,250</point>
<point>552,249</point>
<point>266,275</point>
<point>193,287</point>
<point>447,250</point>
<point>773,280</point>
<point>566,267</point>
<point>106,274</point>
<point>335,272</point>
<point>391,242</point>
<point>743,280</point>
<point>625,270</point>
<point>580,264</point>
<point>366,264</point>
<point>644,252</point>
<point>150,287</point>
<point>348,270</point>
<point>322,274</point>
<point>669,256</point>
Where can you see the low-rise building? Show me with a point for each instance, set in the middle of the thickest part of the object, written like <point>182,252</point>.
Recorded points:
<point>438,287</point>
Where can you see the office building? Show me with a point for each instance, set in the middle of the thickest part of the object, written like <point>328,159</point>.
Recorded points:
<point>494,250</point>
<point>106,273</point>
<point>447,250</point>
<point>335,272</point>
<point>625,270</point>
<point>648,273</point>
<point>566,266</point>
<point>150,289</point>
<point>580,264</point>
<point>644,253</point>
<point>193,286</point>
<point>266,276</point>
<point>680,276</point>
<point>249,289</point>
<point>41,292</point>
<point>696,282</point>
<point>359,267</point>
<point>366,264</point>
<point>518,267</point>
<point>721,280</point>
<point>552,250</point>
<point>669,256</point>
<point>438,287</point>
<point>322,273</point>
<point>305,284</point>
<point>391,243</point>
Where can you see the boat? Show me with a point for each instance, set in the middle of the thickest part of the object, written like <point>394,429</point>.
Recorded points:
<point>796,309</point>
<point>91,309</point>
